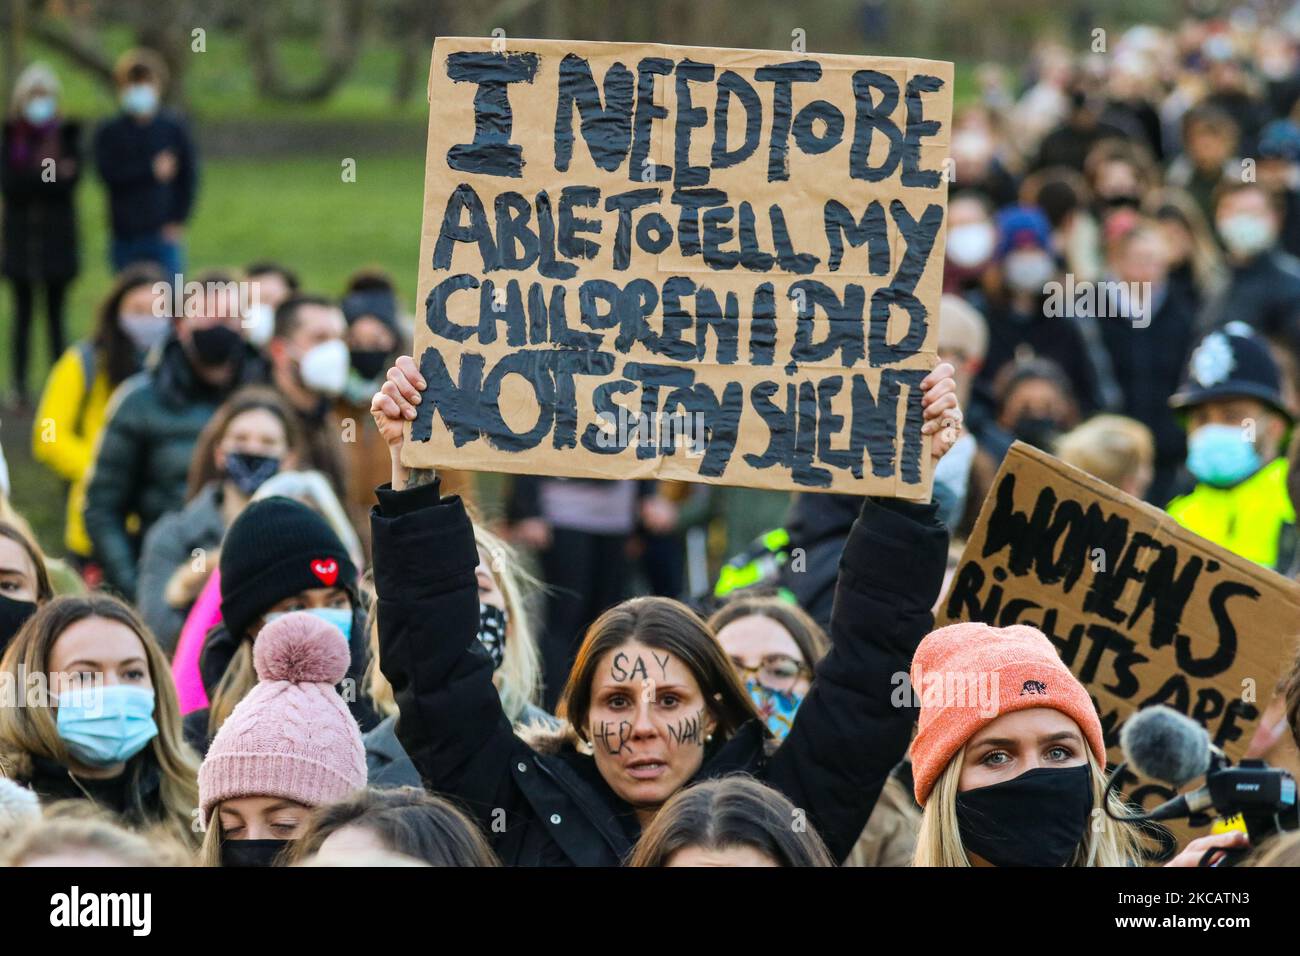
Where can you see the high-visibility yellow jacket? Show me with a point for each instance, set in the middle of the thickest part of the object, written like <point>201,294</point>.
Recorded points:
<point>1254,519</point>
<point>66,429</point>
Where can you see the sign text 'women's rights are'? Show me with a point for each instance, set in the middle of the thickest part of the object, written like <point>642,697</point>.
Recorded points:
<point>687,263</point>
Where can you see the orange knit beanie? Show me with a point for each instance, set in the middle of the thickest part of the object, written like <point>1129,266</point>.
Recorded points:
<point>967,675</point>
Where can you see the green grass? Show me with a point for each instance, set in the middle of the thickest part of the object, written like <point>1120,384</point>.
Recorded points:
<point>298,211</point>
<point>219,82</point>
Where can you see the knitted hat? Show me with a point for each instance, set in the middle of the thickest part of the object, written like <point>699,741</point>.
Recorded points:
<point>292,735</point>
<point>380,304</point>
<point>968,675</point>
<point>276,548</point>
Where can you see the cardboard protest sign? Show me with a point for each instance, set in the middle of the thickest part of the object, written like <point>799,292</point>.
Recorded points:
<point>714,265</point>
<point>1141,610</point>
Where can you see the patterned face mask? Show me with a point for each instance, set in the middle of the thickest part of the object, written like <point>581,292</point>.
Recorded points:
<point>492,623</point>
<point>776,707</point>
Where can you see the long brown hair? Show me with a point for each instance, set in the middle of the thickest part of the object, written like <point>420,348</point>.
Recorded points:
<point>203,464</point>
<point>44,587</point>
<point>31,731</point>
<point>735,811</point>
<point>807,633</point>
<point>667,625</point>
<point>114,351</point>
<point>408,820</point>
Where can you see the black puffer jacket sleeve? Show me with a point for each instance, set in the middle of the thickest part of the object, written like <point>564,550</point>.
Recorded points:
<point>848,735</point>
<point>450,720</point>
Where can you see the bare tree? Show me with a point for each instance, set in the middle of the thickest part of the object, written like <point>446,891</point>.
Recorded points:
<point>341,35</point>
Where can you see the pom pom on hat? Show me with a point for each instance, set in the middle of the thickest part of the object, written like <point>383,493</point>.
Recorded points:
<point>302,649</point>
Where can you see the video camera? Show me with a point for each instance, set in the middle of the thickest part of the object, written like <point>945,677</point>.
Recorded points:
<point>1162,744</point>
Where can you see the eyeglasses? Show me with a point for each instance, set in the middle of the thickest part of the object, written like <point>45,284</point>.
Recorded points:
<point>777,671</point>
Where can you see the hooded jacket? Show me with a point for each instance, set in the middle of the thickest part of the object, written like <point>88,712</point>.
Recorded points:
<point>545,803</point>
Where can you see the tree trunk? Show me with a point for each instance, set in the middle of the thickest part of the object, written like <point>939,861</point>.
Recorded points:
<point>341,43</point>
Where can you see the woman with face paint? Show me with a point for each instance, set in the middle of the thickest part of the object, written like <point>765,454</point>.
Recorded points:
<point>288,747</point>
<point>1008,760</point>
<point>252,436</point>
<point>652,703</point>
<point>735,821</point>
<point>24,581</point>
<point>74,404</point>
<point>106,727</point>
<point>279,556</point>
<point>506,632</point>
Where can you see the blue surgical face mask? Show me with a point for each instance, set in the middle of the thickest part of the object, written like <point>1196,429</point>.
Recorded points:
<point>340,617</point>
<point>776,707</point>
<point>102,726</point>
<point>40,110</point>
<point>1220,455</point>
<point>140,99</point>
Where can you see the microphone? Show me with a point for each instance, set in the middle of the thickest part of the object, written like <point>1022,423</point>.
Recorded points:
<point>1163,744</point>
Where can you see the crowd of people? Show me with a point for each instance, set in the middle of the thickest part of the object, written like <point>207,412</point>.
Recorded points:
<point>266,641</point>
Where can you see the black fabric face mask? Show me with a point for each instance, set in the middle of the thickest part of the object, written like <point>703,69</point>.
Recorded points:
<point>1039,432</point>
<point>369,363</point>
<point>249,471</point>
<point>216,345</point>
<point>492,632</point>
<point>251,852</point>
<point>1036,819</point>
<point>13,615</point>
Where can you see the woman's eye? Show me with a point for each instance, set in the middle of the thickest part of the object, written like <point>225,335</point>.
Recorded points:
<point>668,700</point>
<point>231,831</point>
<point>618,700</point>
<point>996,758</point>
<point>285,827</point>
<point>1059,753</point>
<point>135,675</point>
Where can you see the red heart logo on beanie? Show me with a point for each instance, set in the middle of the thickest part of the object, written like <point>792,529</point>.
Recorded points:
<point>327,569</point>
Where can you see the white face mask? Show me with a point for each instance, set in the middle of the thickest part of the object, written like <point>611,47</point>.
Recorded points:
<point>1246,234</point>
<point>971,243</point>
<point>1028,271</point>
<point>259,324</point>
<point>145,330</point>
<point>324,369</point>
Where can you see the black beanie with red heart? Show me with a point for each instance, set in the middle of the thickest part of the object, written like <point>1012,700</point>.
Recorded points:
<point>276,548</point>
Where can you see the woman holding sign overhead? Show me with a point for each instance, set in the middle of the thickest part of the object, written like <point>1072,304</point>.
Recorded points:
<point>652,702</point>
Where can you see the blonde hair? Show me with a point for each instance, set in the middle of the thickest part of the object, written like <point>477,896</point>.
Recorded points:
<point>1110,447</point>
<point>239,678</point>
<point>37,76</point>
<point>1106,842</point>
<point>64,831</point>
<point>518,679</point>
<point>30,732</point>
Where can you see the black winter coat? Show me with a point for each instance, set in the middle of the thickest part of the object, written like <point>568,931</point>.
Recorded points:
<point>40,218</point>
<point>557,808</point>
<point>140,205</point>
<point>1265,294</point>
<point>144,454</point>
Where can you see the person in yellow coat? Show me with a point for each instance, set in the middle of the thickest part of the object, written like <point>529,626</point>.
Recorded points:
<point>132,319</point>
<point>1237,424</point>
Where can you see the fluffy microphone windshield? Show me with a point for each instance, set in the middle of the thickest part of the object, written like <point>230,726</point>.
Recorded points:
<point>1162,744</point>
